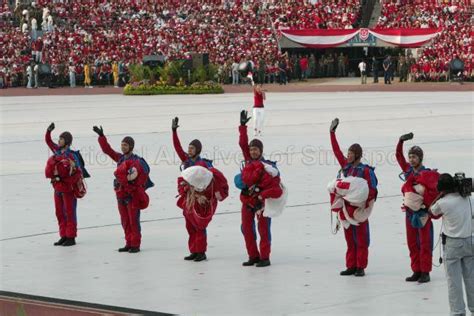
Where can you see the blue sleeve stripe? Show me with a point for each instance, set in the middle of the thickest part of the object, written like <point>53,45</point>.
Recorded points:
<point>373,179</point>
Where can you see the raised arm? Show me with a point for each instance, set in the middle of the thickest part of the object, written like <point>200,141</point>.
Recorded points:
<point>244,142</point>
<point>176,143</point>
<point>399,153</point>
<point>243,137</point>
<point>104,145</point>
<point>335,145</point>
<point>49,141</point>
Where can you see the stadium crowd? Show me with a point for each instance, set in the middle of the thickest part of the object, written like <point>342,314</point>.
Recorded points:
<point>99,32</point>
<point>455,40</point>
<point>76,36</point>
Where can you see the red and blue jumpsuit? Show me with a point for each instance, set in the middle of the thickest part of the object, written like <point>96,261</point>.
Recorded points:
<point>197,240</point>
<point>419,240</point>
<point>129,211</point>
<point>64,200</point>
<point>198,216</point>
<point>249,205</point>
<point>357,237</point>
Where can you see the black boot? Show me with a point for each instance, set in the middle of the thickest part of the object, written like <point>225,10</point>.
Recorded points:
<point>124,249</point>
<point>415,277</point>
<point>69,242</point>
<point>359,273</point>
<point>424,277</point>
<point>263,263</point>
<point>60,242</point>
<point>200,256</point>
<point>251,262</point>
<point>348,271</point>
<point>191,256</point>
<point>134,250</point>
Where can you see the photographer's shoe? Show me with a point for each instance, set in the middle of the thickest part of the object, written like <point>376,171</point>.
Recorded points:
<point>415,277</point>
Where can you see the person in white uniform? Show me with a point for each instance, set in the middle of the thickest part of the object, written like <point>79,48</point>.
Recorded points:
<point>258,109</point>
<point>363,72</point>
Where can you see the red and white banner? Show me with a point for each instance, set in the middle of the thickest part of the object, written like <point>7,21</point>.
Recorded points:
<point>406,37</point>
<point>319,38</point>
<point>331,38</point>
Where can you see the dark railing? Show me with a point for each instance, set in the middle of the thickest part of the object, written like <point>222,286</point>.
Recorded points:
<point>367,9</point>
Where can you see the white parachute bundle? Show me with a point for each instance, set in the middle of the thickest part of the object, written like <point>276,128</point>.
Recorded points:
<point>197,177</point>
<point>354,190</point>
<point>275,207</point>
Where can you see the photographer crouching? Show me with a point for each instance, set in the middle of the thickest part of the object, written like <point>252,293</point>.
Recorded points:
<point>455,205</point>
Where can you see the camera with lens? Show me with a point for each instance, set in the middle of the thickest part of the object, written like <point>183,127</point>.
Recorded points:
<point>462,185</point>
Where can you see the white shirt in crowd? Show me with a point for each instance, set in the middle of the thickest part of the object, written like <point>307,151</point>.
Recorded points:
<point>24,27</point>
<point>458,221</point>
<point>362,66</point>
<point>34,24</point>
<point>45,13</point>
